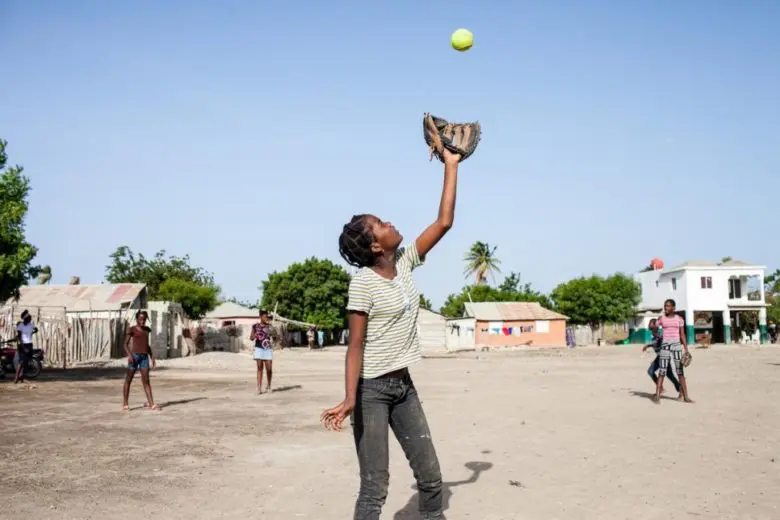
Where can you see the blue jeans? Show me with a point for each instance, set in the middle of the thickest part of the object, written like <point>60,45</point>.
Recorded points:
<point>384,404</point>
<point>653,368</point>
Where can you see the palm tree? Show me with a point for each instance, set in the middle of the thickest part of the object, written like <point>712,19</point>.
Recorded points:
<point>44,275</point>
<point>481,262</point>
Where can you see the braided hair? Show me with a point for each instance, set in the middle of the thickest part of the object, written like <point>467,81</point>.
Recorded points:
<point>355,243</point>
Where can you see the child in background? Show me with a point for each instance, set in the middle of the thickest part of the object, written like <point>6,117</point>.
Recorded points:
<point>139,357</point>
<point>655,365</point>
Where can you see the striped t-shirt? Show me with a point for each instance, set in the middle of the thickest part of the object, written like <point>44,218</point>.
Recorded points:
<point>392,307</point>
<point>671,327</point>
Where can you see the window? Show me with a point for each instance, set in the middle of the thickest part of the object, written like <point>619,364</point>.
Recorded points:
<point>543,326</point>
<point>753,288</point>
<point>674,284</point>
<point>735,289</point>
<point>706,282</point>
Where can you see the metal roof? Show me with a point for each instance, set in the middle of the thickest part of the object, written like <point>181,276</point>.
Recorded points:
<point>510,311</point>
<point>698,264</point>
<point>231,310</point>
<point>79,298</point>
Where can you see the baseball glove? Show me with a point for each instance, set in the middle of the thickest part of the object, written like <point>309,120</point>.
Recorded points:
<point>686,359</point>
<point>459,138</point>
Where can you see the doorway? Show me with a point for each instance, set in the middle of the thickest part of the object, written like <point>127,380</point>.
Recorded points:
<point>717,328</point>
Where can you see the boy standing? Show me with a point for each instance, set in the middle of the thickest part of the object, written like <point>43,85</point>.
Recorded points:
<point>139,355</point>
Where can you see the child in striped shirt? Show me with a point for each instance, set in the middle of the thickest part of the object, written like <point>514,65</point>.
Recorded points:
<point>383,306</point>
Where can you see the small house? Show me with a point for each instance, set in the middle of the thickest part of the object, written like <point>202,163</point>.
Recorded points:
<point>505,324</point>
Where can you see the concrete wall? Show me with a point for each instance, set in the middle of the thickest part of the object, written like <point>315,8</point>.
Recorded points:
<point>167,321</point>
<point>460,333</point>
<point>717,298</point>
<point>431,330</point>
<point>689,295</point>
<point>534,333</point>
<point>657,286</point>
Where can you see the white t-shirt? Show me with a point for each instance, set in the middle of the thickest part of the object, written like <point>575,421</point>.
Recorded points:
<point>27,331</point>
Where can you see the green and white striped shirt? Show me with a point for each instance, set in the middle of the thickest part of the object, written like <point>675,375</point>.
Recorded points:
<point>392,307</point>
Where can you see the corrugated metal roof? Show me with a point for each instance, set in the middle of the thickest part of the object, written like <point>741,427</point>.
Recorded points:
<point>79,298</point>
<point>510,311</point>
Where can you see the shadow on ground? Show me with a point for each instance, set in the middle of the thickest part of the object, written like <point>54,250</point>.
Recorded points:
<point>167,404</point>
<point>650,395</point>
<point>79,374</point>
<point>411,511</point>
<point>286,388</point>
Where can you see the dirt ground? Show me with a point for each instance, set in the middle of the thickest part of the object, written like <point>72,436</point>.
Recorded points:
<point>531,435</point>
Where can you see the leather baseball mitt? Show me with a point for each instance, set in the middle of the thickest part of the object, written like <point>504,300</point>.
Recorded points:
<point>459,138</point>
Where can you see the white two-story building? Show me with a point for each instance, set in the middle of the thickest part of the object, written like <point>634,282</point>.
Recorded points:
<point>709,296</point>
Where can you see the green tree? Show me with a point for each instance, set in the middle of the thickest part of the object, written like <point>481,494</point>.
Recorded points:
<point>192,287</point>
<point>16,254</point>
<point>772,295</point>
<point>510,290</point>
<point>314,291</point>
<point>425,303</point>
<point>195,299</point>
<point>44,275</point>
<point>481,262</point>
<point>595,300</point>
<point>127,267</point>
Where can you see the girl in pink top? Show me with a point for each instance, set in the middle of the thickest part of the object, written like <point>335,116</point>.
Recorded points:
<point>673,344</point>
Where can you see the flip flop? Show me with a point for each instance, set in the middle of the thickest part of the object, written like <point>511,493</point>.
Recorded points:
<point>125,408</point>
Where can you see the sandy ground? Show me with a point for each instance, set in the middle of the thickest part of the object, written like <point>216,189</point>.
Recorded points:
<point>558,434</point>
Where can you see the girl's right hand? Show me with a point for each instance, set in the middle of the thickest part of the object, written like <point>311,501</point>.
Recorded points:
<point>333,418</point>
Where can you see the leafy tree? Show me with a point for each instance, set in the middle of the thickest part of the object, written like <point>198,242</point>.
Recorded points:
<point>597,300</point>
<point>772,284</point>
<point>195,299</point>
<point>314,291</point>
<point>127,267</point>
<point>16,254</point>
<point>510,290</point>
<point>44,276</point>
<point>748,321</point>
<point>481,262</point>
<point>169,279</point>
<point>425,303</point>
<point>772,295</point>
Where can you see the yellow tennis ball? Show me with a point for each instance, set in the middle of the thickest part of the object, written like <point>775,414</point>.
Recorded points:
<point>462,40</point>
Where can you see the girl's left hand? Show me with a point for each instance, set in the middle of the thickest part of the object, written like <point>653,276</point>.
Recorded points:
<point>449,157</point>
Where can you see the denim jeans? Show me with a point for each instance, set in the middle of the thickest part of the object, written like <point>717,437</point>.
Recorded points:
<point>654,366</point>
<point>384,404</point>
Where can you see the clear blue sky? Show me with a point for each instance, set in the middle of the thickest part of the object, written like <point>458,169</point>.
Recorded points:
<point>247,133</point>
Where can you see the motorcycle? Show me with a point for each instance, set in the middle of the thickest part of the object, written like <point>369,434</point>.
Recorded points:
<point>8,361</point>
